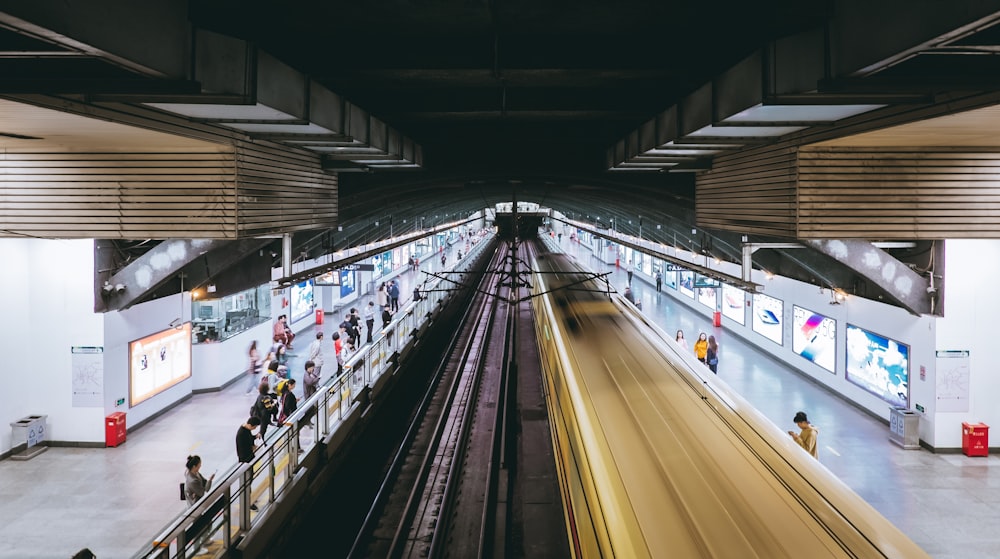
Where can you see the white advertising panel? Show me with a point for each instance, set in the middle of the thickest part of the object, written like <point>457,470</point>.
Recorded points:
<point>880,365</point>
<point>814,337</point>
<point>686,283</point>
<point>706,296</point>
<point>157,362</point>
<point>767,313</point>
<point>734,303</point>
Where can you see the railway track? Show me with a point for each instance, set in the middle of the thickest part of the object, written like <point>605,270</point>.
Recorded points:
<point>439,497</point>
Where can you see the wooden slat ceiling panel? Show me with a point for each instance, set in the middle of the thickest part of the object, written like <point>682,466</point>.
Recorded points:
<point>899,193</point>
<point>750,192</point>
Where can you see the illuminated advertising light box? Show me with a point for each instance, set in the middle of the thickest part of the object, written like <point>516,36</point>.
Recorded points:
<point>346,282</point>
<point>329,278</point>
<point>814,337</point>
<point>706,296</point>
<point>734,303</point>
<point>670,279</point>
<point>685,283</point>
<point>302,300</point>
<point>767,313</point>
<point>157,362</point>
<point>377,267</point>
<point>880,365</point>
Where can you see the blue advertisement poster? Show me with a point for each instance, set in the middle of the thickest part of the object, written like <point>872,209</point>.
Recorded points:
<point>686,283</point>
<point>814,337</point>
<point>346,282</point>
<point>377,267</point>
<point>879,365</point>
<point>302,297</point>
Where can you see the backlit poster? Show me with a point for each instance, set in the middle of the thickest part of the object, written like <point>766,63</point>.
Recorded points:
<point>329,278</point>
<point>670,279</point>
<point>814,337</point>
<point>686,283</point>
<point>880,365</point>
<point>767,313</point>
<point>706,296</point>
<point>157,362</point>
<point>377,267</point>
<point>734,303</point>
<point>346,282</point>
<point>302,295</point>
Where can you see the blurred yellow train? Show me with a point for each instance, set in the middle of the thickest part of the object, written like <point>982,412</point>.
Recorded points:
<point>659,458</point>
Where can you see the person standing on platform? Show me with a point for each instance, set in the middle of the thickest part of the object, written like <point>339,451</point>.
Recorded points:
<point>701,347</point>
<point>281,357</point>
<point>316,352</point>
<point>806,437</point>
<point>444,258</point>
<point>338,348</point>
<point>629,296</point>
<point>254,369</point>
<point>386,316</point>
<point>382,295</point>
<point>370,320</point>
<point>356,323</point>
<point>416,294</point>
<point>245,447</point>
<point>245,436</point>
<point>263,409</point>
<point>195,484</point>
<point>629,272</point>
<point>394,295</point>
<point>347,332</point>
<point>679,338</point>
<point>712,355</point>
<point>310,380</point>
<point>659,281</point>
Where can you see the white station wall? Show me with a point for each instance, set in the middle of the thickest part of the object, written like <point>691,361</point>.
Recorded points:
<point>48,303</point>
<point>972,268</point>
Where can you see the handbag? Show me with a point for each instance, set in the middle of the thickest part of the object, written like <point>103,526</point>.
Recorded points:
<point>713,361</point>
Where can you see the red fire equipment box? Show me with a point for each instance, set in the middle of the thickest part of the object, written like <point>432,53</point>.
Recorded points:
<point>975,439</point>
<point>114,429</point>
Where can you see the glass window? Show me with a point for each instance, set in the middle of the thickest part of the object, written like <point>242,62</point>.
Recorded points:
<point>215,320</point>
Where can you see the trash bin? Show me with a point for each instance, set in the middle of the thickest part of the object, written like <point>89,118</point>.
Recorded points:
<point>975,439</point>
<point>114,429</point>
<point>904,428</point>
<point>716,318</point>
<point>29,431</point>
<point>319,316</point>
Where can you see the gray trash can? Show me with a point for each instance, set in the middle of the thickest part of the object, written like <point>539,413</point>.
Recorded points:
<point>904,428</point>
<point>31,432</point>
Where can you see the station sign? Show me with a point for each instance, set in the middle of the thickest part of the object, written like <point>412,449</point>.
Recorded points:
<point>358,267</point>
<point>674,268</point>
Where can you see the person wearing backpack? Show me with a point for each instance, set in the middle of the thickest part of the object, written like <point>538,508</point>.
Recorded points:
<point>264,409</point>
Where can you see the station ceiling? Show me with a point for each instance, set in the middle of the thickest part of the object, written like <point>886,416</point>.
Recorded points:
<point>595,109</point>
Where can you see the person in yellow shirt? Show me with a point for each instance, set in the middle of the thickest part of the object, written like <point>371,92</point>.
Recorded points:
<point>806,438</point>
<point>701,347</point>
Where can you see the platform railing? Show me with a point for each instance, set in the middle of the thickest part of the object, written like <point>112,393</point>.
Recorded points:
<point>243,495</point>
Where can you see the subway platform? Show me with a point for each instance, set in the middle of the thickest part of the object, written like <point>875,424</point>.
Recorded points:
<point>114,500</point>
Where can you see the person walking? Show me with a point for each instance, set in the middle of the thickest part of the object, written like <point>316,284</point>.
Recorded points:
<point>807,435</point>
<point>370,319</point>
<point>712,355</point>
<point>701,347</point>
<point>338,349</point>
<point>254,368</point>
<point>659,281</point>
<point>394,295</point>
<point>629,272</point>
<point>263,408</point>
<point>679,338</point>
<point>281,357</point>
<point>629,296</point>
<point>316,352</point>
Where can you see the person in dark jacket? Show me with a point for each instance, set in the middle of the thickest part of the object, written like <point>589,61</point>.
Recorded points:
<point>386,316</point>
<point>394,295</point>
<point>245,439</point>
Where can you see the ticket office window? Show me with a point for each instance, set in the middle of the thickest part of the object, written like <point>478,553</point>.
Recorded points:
<point>216,320</point>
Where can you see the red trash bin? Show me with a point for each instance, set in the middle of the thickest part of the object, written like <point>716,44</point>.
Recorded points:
<point>114,429</point>
<point>717,318</point>
<point>975,439</point>
<point>319,316</point>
